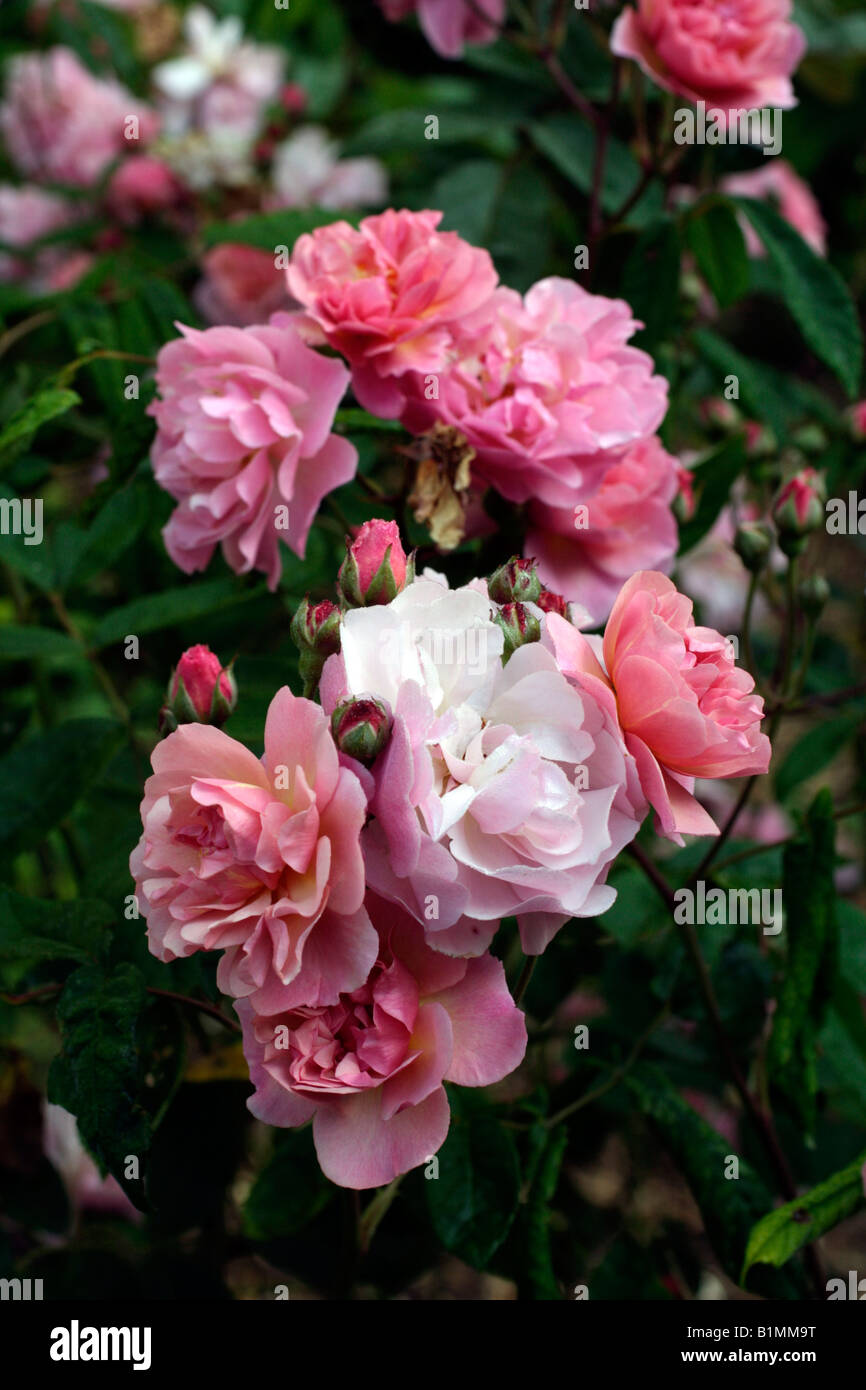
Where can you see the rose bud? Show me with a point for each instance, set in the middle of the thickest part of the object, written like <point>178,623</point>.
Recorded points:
<point>201,691</point>
<point>315,630</point>
<point>376,567</point>
<point>753,542</point>
<point>516,581</point>
<point>519,626</point>
<point>813,594</point>
<point>799,509</point>
<point>361,728</point>
<point>684,501</point>
<point>549,602</point>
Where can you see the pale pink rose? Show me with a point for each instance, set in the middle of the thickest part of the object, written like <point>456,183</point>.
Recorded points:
<point>388,295</point>
<point>449,24</point>
<point>306,172</point>
<point>61,124</point>
<point>684,706</point>
<point>588,551</point>
<point>221,83</point>
<point>732,54</point>
<point>369,1069</point>
<point>546,390</point>
<point>502,791</point>
<point>241,286</point>
<point>260,859</point>
<point>141,186</point>
<point>27,214</point>
<point>777,182</point>
<point>244,444</point>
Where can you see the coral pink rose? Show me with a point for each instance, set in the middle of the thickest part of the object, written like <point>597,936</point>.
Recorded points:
<point>369,1069</point>
<point>502,791</point>
<point>587,552</point>
<point>449,24</point>
<point>546,390</point>
<point>64,125</point>
<point>241,286</point>
<point>261,859</point>
<point>776,181</point>
<point>244,442</point>
<point>387,296</point>
<point>732,55</point>
<point>686,709</point>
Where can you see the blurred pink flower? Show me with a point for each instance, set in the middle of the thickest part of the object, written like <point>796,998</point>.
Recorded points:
<point>241,286</point>
<point>88,1190</point>
<point>244,444</point>
<point>546,390</point>
<point>449,24</point>
<point>28,213</point>
<point>776,181</point>
<point>261,859</point>
<point>685,708</point>
<point>62,124</point>
<point>587,552</point>
<point>306,172</point>
<point>388,295</point>
<point>732,55</point>
<point>369,1069</point>
<point>140,186</point>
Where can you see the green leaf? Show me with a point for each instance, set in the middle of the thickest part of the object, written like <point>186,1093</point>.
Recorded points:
<point>783,1232</point>
<point>99,1074</point>
<point>713,479</point>
<point>20,643</point>
<point>569,144</point>
<point>171,608</point>
<point>18,550</point>
<point>466,196</point>
<point>85,552</point>
<point>289,1191</point>
<point>762,390</point>
<point>45,405</point>
<point>813,291</point>
<point>474,1199</point>
<point>714,235</point>
<point>812,752</point>
<point>651,279</point>
<point>729,1207</point>
<point>33,929</point>
<point>811,960</point>
<point>549,1146</point>
<point>267,230</point>
<point>43,778</point>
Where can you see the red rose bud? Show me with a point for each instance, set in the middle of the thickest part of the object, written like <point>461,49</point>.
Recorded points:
<point>315,630</point>
<point>516,581</point>
<point>361,728</point>
<point>684,501</point>
<point>519,625</point>
<point>549,602</point>
<point>799,509</point>
<point>376,568</point>
<point>201,691</point>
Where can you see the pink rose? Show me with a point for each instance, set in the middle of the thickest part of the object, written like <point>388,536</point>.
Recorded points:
<point>449,24</point>
<point>261,859</point>
<point>62,124</point>
<point>732,55</point>
<point>27,214</point>
<point>388,295</point>
<point>776,181</point>
<point>546,391</point>
<point>502,791</point>
<point>684,706</point>
<point>141,186</point>
<point>376,567</point>
<point>587,552</point>
<point>241,286</point>
<point>244,444</point>
<point>369,1069</point>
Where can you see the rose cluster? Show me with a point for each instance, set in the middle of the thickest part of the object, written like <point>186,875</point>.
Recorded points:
<point>474,758</point>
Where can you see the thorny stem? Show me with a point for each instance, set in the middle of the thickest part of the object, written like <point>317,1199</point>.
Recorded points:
<point>524,977</point>
<point>43,991</point>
